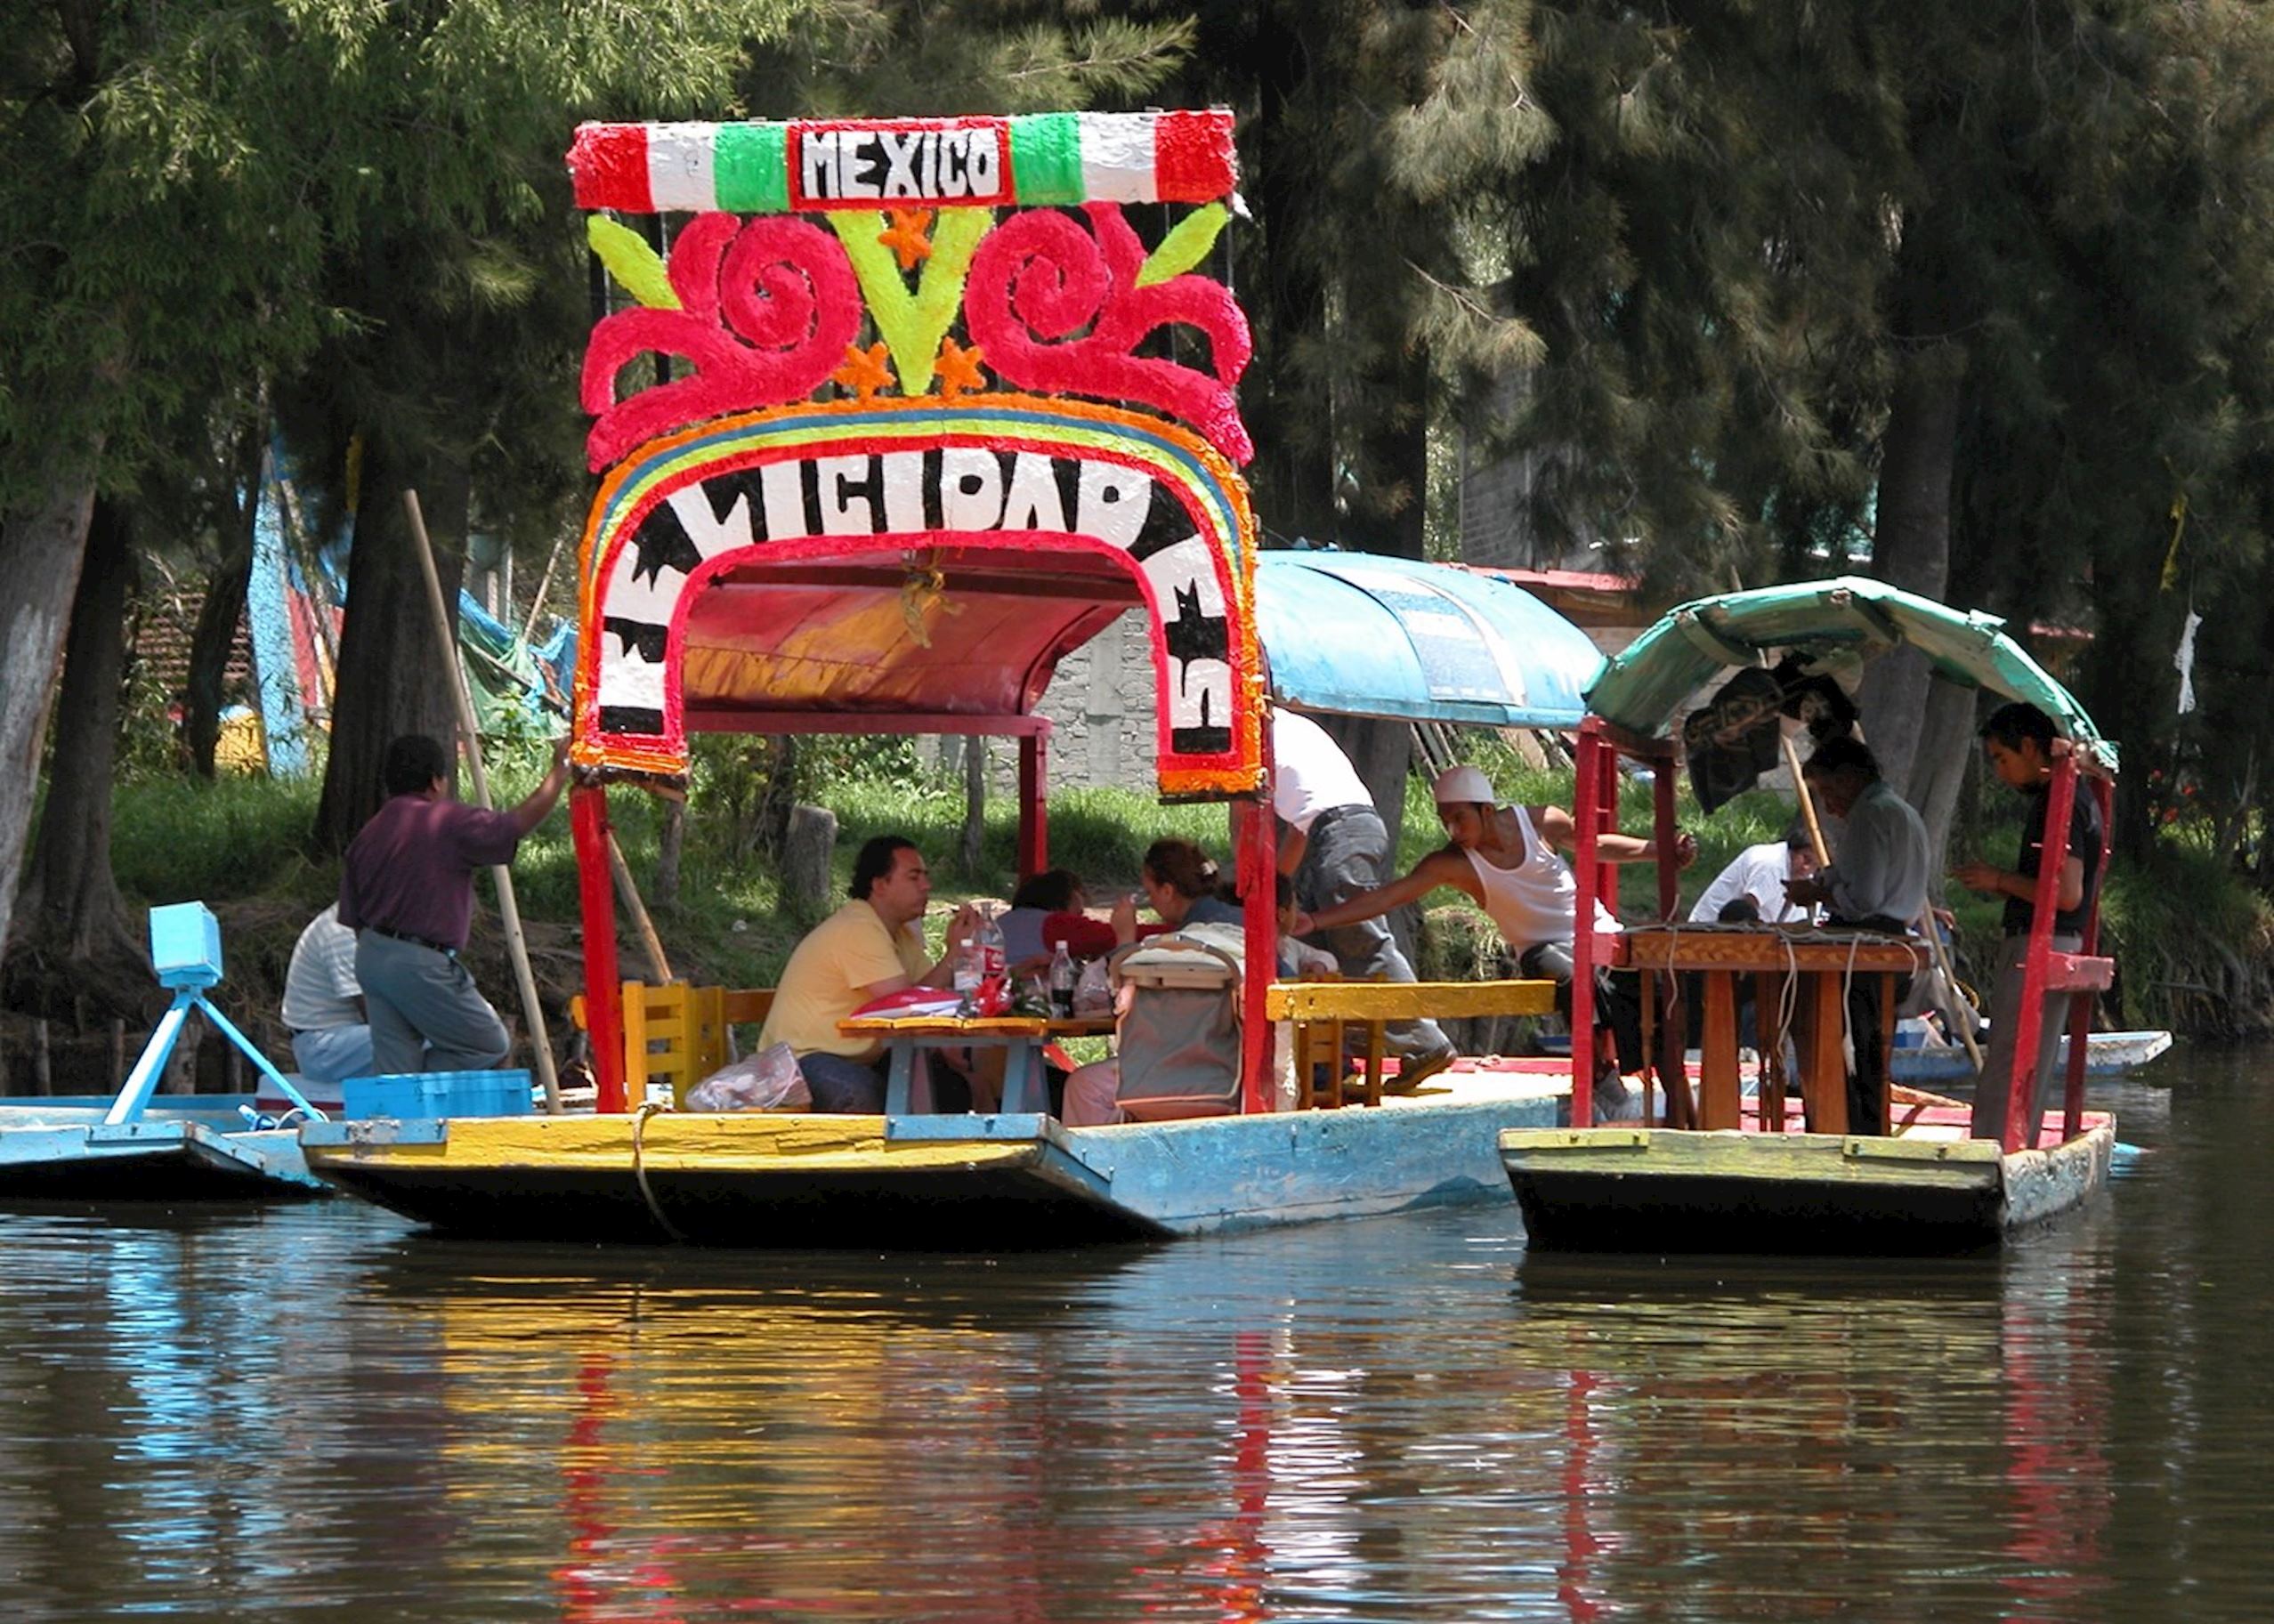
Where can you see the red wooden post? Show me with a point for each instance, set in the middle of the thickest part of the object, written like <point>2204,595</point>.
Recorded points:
<point>1586,818</point>
<point>2028,1021</point>
<point>604,992</point>
<point>1034,804</point>
<point>2080,1003</point>
<point>1662,830</point>
<point>1672,1038</point>
<point>1257,861</point>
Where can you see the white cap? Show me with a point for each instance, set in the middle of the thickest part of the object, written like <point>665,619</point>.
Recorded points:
<point>1456,783</point>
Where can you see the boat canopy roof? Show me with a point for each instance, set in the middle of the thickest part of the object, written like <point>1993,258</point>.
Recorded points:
<point>1347,633</point>
<point>1644,688</point>
<point>1360,635</point>
<point>971,633</point>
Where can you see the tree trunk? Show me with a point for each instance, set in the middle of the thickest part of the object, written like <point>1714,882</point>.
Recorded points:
<point>74,918</point>
<point>671,842</point>
<point>1294,473</point>
<point>392,678</point>
<point>2129,688</point>
<point>1382,751</point>
<point>975,806</point>
<point>1911,548</point>
<point>219,616</point>
<point>1939,771</point>
<point>42,546</point>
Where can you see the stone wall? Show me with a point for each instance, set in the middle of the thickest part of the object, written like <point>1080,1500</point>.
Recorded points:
<point>1102,704</point>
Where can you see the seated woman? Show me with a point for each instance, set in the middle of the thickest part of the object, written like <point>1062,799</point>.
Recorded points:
<point>1092,1091</point>
<point>1179,881</point>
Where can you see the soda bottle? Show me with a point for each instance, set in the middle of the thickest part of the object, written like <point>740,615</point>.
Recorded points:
<point>994,968</point>
<point>1062,983</point>
<point>965,977</point>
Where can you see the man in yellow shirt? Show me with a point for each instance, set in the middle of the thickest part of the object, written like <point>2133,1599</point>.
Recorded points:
<point>872,946</point>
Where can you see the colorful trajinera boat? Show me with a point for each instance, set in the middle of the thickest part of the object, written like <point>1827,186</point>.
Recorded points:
<point>919,454</point>
<point>1740,1177</point>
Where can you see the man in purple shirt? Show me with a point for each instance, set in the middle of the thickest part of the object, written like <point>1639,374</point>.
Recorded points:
<point>406,890</point>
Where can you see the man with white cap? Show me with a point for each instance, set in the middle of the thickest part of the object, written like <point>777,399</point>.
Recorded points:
<point>1331,840</point>
<point>1506,860</point>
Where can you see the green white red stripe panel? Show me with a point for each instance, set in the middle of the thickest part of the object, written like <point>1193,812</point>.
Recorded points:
<point>1038,158</point>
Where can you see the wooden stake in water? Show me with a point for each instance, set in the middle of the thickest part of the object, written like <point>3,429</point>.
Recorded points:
<point>516,945</point>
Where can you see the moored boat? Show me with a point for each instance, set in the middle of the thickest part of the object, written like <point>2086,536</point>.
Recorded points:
<point>127,1148</point>
<point>1733,1175</point>
<point>761,561</point>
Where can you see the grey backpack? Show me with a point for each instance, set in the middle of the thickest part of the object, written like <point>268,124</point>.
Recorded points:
<point>1179,1036</point>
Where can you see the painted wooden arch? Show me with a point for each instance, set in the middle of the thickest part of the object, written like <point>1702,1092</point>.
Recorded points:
<point>1011,474</point>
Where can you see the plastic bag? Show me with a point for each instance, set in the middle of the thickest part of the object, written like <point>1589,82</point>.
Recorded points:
<point>1093,992</point>
<point>767,1080</point>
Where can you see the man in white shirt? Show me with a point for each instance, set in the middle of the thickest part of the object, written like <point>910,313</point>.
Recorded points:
<point>1877,881</point>
<point>323,1004</point>
<point>1762,874</point>
<point>1331,840</point>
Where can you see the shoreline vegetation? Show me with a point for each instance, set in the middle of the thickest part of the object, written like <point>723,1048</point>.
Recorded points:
<point>2194,939</point>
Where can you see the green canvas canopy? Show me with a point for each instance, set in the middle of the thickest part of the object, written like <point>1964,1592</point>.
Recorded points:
<point>1644,688</point>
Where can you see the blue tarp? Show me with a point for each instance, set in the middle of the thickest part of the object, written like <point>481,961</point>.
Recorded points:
<point>1359,635</point>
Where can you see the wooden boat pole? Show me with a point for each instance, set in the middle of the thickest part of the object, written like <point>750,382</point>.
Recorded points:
<point>1926,922</point>
<point>1808,802</point>
<point>651,943</point>
<point>544,585</point>
<point>516,946</point>
<point>1257,866</point>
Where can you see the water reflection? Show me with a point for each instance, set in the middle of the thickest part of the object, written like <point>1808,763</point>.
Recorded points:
<point>244,1416</point>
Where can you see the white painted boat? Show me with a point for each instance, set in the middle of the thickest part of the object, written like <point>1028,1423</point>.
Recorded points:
<point>2105,1055</point>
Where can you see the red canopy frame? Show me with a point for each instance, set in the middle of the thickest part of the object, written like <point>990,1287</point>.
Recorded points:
<point>1595,811</point>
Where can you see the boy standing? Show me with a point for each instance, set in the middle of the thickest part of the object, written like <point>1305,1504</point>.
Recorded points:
<point>2019,741</point>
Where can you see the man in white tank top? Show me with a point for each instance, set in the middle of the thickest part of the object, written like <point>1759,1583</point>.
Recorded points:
<point>1507,861</point>
<point>1333,842</point>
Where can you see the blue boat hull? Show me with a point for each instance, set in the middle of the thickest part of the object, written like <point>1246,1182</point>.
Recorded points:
<point>61,1150</point>
<point>958,1183</point>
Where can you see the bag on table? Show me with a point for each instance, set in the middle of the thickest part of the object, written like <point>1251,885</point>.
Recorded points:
<point>1094,989</point>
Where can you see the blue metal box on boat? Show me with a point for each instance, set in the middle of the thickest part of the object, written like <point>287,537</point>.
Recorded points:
<point>185,945</point>
<point>437,1093</point>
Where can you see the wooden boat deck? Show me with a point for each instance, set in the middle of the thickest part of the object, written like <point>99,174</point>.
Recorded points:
<point>1928,1188</point>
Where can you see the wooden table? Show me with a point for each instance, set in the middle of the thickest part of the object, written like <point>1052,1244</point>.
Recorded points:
<point>1021,1036</point>
<point>1321,1010</point>
<point>1822,961</point>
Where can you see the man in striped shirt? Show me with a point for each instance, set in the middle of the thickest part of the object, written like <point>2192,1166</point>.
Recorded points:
<point>323,1004</point>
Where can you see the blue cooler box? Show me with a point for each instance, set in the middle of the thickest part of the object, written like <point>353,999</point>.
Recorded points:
<point>437,1093</point>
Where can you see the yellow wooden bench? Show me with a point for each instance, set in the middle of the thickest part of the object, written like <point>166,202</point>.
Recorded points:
<point>1321,1010</point>
<point>677,1034</point>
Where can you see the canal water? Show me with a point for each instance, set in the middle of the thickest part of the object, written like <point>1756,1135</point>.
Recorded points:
<point>318,1412</point>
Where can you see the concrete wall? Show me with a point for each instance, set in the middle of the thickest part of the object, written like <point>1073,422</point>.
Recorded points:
<point>1100,703</point>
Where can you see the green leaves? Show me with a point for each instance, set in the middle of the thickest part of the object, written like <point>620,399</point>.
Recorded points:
<point>637,268</point>
<point>1185,247</point>
<point>912,325</point>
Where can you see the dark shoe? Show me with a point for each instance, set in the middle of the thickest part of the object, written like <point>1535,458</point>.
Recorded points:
<point>1413,1073</point>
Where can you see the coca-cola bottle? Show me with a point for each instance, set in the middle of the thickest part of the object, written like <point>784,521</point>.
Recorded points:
<point>994,968</point>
